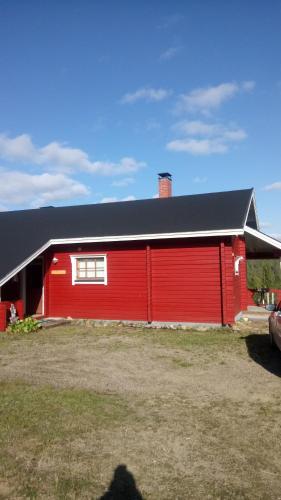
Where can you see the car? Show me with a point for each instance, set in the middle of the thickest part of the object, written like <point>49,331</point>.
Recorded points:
<point>274,322</point>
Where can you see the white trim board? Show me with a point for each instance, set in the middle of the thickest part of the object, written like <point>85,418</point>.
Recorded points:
<point>108,239</point>
<point>141,237</point>
<point>255,208</point>
<point>252,200</point>
<point>73,259</point>
<point>264,237</point>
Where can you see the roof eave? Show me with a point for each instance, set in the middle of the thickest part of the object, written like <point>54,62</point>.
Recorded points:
<point>264,237</point>
<point>109,239</point>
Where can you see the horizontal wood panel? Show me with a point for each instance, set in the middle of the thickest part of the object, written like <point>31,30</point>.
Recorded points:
<point>185,283</point>
<point>124,297</point>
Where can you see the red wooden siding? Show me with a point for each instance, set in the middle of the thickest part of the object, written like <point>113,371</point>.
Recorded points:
<point>5,312</point>
<point>156,281</point>
<point>228,289</point>
<point>189,281</point>
<point>240,281</point>
<point>186,282</point>
<point>124,297</point>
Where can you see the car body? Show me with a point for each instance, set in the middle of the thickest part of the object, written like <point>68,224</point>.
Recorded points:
<point>275,326</point>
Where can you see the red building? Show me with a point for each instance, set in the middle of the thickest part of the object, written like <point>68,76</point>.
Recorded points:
<point>173,259</point>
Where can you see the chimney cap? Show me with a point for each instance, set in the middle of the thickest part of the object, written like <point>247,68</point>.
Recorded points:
<point>165,175</point>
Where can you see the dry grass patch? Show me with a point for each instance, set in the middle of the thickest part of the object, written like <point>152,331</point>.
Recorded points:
<point>37,431</point>
<point>191,414</point>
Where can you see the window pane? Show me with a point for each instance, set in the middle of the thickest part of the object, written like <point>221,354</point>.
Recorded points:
<point>81,263</point>
<point>100,274</point>
<point>90,269</point>
<point>100,265</point>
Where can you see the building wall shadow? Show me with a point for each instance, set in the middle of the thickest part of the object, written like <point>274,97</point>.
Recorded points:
<point>261,352</point>
<point>123,486</point>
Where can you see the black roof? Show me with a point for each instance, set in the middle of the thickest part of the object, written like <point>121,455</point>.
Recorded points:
<point>23,232</point>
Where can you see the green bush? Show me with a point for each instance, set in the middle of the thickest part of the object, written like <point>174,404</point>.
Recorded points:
<point>26,325</point>
<point>264,273</point>
<point>257,298</point>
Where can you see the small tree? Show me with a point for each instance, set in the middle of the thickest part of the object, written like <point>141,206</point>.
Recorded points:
<point>264,273</point>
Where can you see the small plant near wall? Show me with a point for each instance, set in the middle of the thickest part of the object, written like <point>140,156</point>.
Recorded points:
<point>27,325</point>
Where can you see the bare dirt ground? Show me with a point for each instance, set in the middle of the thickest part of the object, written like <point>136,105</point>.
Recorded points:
<point>191,414</point>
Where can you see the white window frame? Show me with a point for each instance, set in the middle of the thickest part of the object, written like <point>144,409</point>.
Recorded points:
<point>74,258</point>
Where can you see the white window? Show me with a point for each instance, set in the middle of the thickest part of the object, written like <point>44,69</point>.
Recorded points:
<point>88,269</point>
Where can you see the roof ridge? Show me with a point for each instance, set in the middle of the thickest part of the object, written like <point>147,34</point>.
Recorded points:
<point>154,200</point>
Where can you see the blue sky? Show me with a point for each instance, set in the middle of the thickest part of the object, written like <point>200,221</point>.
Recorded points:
<point>97,97</point>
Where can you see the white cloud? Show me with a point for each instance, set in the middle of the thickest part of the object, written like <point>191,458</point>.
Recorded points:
<point>62,158</point>
<point>112,199</point>
<point>59,155</point>
<point>208,99</point>
<point>131,197</point>
<point>170,21</point>
<point>126,165</point>
<point>248,85</point>
<point>234,135</point>
<point>202,138</point>
<point>123,182</point>
<point>273,187</point>
<point>200,180</point>
<point>19,188</point>
<point>265,224</point>
<point>204,99</point>
<point>199,128</point>
<point>197,147</point>
<point>19,148</point>
<point>108,199</point>
<point>170,53</point>
<point>147,94</point>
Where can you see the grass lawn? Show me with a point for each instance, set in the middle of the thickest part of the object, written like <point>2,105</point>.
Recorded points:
<point>128,413</point>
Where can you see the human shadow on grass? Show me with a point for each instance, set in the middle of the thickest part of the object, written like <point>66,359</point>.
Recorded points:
<point>123,486</point>
<point>261,352</point>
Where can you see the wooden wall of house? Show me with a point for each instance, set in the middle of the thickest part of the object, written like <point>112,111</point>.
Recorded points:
<point>177,281</point>
<point>124,297</point>
<point>186,285</point>
<point>240,280</point>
